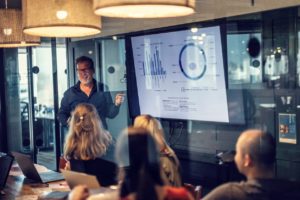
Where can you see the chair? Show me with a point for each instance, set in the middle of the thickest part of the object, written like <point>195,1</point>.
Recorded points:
<point>62,162</point>
<point>196,191</point>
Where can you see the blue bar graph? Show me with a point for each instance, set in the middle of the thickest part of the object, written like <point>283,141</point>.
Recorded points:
<point>152,67</point>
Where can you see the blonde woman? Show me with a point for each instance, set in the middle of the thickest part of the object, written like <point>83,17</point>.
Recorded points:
<point>86,142</point>
<point>168,159</point>
<point>140,174</point>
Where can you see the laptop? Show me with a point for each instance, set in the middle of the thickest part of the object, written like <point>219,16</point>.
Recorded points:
<point>30,172</point>
<point>77,178</point>
<point>6,161</point>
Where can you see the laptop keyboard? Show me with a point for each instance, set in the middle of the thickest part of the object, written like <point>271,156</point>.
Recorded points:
<point>51,176</point>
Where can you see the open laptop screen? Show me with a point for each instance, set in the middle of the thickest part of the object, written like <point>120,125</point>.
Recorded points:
<point>5,163</point>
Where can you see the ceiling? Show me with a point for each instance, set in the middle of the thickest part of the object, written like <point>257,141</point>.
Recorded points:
<point>205,10</point>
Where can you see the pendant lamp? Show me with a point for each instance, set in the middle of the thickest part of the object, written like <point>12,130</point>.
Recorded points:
<point>60,18</point>
<point>11,32</point>
<point>144,8</point>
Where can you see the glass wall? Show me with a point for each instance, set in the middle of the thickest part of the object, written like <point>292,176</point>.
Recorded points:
<point>16,97</point>
<point>44,97</point>
<point>242,67</point>
<point>24,99</point>
<point>30,99</point>
<point>62,67</point>
<point>43,104</point>
<point>298,53</point>
<point>113,75</point>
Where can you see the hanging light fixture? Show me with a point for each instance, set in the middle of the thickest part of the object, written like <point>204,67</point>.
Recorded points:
<point>60,18</point>
<point>11,32</point>
<point>144,8</point>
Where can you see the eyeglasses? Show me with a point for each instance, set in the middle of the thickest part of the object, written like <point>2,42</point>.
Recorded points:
<point>85,70</point>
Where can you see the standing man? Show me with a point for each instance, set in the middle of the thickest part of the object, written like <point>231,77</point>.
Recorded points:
<point>255,158</point>
<point>87,90</point>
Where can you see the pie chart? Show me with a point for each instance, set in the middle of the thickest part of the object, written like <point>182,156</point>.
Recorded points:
<point>192,61</point>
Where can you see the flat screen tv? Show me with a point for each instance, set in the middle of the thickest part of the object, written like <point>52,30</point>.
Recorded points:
<point>180,75</point>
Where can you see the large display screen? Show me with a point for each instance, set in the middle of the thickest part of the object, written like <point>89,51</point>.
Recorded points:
<point>180,75</point>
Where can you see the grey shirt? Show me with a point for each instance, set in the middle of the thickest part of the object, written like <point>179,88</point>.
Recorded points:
<point>258,189</point>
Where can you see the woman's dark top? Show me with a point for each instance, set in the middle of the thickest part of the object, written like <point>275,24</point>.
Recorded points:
<point>104,170</point>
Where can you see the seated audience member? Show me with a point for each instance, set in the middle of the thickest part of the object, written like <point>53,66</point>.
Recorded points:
<point>86,142</point>
<point>141,180</point>
<point>168,159</point>
<point>255,157</point>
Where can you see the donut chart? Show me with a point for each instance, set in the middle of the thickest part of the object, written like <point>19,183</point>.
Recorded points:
<point>193,69</point>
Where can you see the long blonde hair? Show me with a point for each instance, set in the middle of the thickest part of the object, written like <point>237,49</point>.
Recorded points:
<point>154,127</point>
<point>86,138</point>
<point>169,161</point>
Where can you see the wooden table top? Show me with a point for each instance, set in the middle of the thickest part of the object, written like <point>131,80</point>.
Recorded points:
<point>17,187</point>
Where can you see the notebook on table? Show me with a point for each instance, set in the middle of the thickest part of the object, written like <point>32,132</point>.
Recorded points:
<point>30,172</point>
<point>77,178</point>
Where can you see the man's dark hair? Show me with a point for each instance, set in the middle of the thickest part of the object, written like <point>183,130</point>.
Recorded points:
<point>86,59</point>
<point>263,150</point>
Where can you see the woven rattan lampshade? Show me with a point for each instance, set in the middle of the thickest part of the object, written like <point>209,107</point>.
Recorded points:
<point>11,32</point>
<point>60,18</point>
<point>144,8</point>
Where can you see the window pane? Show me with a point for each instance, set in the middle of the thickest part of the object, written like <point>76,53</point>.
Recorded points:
<point>44,105</point>
<point>113,75</point>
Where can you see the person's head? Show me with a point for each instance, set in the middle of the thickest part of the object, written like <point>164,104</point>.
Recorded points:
<point>153,126</point>
<point>85,69</point>
<point>255,152</point>
<point>86,138</point>
<point>137,148</point>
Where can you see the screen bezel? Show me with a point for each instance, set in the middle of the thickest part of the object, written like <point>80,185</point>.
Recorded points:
<point>133,102</point>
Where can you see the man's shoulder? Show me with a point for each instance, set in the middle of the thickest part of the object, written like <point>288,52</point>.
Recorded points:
<point>279,188</point>
<point>233,186</point>
<point>68,93</point>
<point>256,189</point>
<point>232,190</point>
<point>72,89</point>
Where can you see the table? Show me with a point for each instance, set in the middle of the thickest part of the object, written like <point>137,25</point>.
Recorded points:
<point>19,188</point>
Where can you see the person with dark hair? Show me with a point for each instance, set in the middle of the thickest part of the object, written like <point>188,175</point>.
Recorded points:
<point>140,177</point>
<point>255,158</point>
<point>87,90</point>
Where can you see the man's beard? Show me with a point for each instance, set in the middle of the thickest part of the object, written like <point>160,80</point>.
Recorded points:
<point>86,81</point>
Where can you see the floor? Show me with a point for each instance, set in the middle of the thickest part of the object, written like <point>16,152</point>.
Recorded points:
<point>47,159</point>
